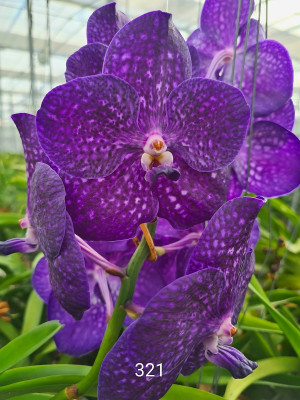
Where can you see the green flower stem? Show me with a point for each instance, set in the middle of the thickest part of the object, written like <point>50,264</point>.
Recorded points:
<point>115,323</point>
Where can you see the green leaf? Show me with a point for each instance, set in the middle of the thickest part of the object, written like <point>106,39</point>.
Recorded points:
<point>291,332</point>
<point>32,396</point>
<point>24,345</point>
<point>40,371</point>
<point>252,323</point>
<point>270,366</point>
<point>33,312</point>
<point>177,392</point>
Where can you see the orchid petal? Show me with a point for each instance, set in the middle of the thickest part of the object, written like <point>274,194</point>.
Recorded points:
<point>168,329</point>
<point>104,23</point>
<point>274,168</point>
<point>194,198</point>
<point>40,280</point>
<point>219,18</point>
<point>274,80</point>
<point>208,122</point>
<point>88,125</point>
<point>284,116</point>
<point>151,55</point>
<point>68,276</point>
<point>130,386</point>
<point>119,203</point>
<point>86,61</point>
<point>77,338</point>
<point>224,242</point>
<point>48,209</point>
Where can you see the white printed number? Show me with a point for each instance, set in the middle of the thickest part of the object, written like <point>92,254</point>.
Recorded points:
<point>148,367</point>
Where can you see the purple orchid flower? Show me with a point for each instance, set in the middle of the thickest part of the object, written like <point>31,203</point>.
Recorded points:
<point>77,338</point>
<point>274,168</point>
<point>143,116</point>
<point>212,48</point>
<point>54,230</point>
<point>102,26</point>
<point>191,319</point>
<point>214,43</point>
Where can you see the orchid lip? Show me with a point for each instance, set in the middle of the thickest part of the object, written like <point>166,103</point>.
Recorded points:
<point>220,59</point>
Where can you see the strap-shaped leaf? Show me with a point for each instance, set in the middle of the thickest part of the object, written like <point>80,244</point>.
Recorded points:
<point>269,366</point>
<point>290,330</point>
<point>24,345</point>
<point>183,392</point>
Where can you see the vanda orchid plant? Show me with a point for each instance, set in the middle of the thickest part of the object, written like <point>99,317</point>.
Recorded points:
<point>136,169</point>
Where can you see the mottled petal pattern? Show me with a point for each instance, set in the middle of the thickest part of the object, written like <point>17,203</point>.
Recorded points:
<point>168,329</point>
<point>32,149</point>
<point>218,19</point>
<point>194,198</point>
<point>275,160</point>
<point>77,338</point>
<point>68,276</point>
<point>130,387</point>
<point>151,55</point>
<point>195,361</point>
<point>251,35</point>
<point>113,207</point>
<point>208,122</point>
<point>88,125</point>
<point>86,61</point>
<point>40,280</point>
<point>246,272</point>
<point>104,23</point>
<point>224,242</point>
<point>235,187</point>
<point>274,82</point>
<point>47,209</point>
<point>284,116</point>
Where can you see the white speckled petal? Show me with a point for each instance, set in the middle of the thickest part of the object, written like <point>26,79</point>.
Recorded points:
<point>218,19</point>
<point>208,122</point>
<point>111,208</point>
<point>177,319</point>
<point>284,116</point>
<point>104,23</point>
<point>117,367</point>
<point>88,125</point>
<point>275,161</point>
<point>274,82</point>
<point>194,198</point>
<point>86,61</point>
<point>225,240</point>
<point>151,55</point>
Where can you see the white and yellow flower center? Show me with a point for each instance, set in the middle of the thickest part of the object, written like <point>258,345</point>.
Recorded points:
<point>155,153</point>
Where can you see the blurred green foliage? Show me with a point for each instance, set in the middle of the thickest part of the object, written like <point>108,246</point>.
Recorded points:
<point>261,336</point>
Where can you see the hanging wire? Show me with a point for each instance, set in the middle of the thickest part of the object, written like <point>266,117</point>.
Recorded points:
<point>267,17</point>
<point>49,44</point>
<point>246,44</point>
<point>167,5</point>
<point>237,28</point>
<point>253,95</point>
<point>31,52</point>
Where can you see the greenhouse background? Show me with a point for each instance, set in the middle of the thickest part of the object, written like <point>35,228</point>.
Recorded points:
<point>37,36</point>
<point>119,257</point>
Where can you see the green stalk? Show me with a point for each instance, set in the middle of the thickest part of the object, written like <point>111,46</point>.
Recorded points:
<point>115,323</point>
